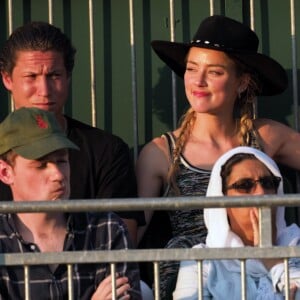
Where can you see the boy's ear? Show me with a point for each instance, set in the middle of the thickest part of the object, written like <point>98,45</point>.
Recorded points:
<point>6,172</point>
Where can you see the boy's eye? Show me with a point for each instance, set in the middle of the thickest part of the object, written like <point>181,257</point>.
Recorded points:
<point>62,161</point>
<point>30,76</point>
<point>54,75</point>
<point>42,165</point>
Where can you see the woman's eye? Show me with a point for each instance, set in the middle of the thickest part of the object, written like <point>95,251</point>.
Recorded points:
<point>190,69</point>
<point>215,72</point>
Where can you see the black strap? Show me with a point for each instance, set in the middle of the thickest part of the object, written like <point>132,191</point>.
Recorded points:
<point>171,142</point>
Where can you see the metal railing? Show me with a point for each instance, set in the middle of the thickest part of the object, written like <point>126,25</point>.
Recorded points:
<point>265,250</point>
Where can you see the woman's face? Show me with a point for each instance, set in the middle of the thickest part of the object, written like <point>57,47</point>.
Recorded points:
<point>256,172</point>
<point>211,82</point>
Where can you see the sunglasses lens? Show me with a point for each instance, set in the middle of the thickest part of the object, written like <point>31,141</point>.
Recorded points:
<point>244,185</point>
<point>267,183</point>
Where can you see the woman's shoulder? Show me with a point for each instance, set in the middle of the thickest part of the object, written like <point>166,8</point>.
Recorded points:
<point>158,146</point>
<point>262,123</point>
<point>154,156</point>
<point>272,131</point>
<point>280,141</point>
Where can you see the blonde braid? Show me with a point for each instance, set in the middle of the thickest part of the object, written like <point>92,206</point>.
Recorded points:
<point>245,108</point>
<point>245,103</point>
<point>187,122</point>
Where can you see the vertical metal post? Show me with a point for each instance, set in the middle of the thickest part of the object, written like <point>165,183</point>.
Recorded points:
<point>70,282</point>
<point>27,282</point>
<point>243,280</point>
<point>265,227</point>
<point>252,19</point>
<point>211,7</point>
<point>50,11</point>
<point>200,279</point>
<point>10,30</point>
<point>92,63</point>
<point>286,278</point>
<point>133,81</point>
<point>252,26</point>
<point>174,84</point>
<point>156,281</point>
<point>113,281</point>
<point>295,79</point>
<point>294,65</point>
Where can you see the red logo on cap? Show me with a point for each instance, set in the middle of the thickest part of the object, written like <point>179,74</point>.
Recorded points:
<point>41,122</point>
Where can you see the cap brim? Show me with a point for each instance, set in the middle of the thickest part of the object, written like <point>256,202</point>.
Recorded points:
<point>273,77</point>
<point>45,146</point>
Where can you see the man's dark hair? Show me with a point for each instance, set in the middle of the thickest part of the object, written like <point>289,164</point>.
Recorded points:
<point>36,36</point>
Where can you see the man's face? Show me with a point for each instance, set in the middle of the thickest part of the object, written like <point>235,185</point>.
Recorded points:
<point>39,79</point>
<point>44,179</point>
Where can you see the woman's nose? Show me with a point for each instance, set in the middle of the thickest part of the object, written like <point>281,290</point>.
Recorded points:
<point>200,79</point>
<point>259,190</point>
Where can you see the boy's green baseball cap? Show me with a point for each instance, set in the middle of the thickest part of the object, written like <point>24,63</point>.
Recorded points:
<point>32,133</point>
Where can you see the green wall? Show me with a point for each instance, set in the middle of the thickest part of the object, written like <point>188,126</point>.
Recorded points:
<point>114,105</point>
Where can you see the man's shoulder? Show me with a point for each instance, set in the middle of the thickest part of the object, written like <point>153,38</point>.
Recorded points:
<point>105,217</point>
<point>99,222</point>
<point>3,220</point>
<point>80,130</point>
<point>94,218</point>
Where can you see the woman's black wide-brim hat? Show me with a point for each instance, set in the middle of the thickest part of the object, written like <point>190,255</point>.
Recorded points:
<point>230,36</point>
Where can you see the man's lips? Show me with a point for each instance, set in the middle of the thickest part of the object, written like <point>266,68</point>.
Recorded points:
<point>44,104</point>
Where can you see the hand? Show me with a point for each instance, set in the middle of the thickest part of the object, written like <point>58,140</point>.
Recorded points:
<point>292,291</point>
<point>104,289</point>
<point>254,218</point>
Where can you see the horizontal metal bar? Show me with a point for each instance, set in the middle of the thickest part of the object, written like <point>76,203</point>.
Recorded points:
<point>143,255</point>
<point>171,203</point>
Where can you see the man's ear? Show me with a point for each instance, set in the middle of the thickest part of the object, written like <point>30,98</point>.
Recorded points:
<point>7,80</point>
<point>6,172</point>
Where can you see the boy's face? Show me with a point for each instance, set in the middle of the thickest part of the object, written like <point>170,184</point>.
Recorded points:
<point>47,178</point>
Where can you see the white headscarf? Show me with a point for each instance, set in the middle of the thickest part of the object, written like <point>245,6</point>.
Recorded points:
<point>219,233</point>
<point>222,277</point>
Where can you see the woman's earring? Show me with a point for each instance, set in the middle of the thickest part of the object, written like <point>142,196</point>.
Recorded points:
<point>240,91</point>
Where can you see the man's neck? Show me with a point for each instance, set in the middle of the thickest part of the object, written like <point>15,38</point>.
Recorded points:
<point>48,231</point>
<point>62,121</point>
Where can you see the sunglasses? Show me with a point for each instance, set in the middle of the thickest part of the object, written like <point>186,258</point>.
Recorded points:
<point>247,185</point>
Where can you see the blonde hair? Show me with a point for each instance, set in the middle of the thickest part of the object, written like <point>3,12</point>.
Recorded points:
<point>243,113</point>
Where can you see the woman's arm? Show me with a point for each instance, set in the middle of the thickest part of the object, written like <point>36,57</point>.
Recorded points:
<point>280,142</point>
<point>151,172</point>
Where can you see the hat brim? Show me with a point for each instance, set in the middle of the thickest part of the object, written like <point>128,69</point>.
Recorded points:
<point>45,146</point>
<point>271,74</point>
